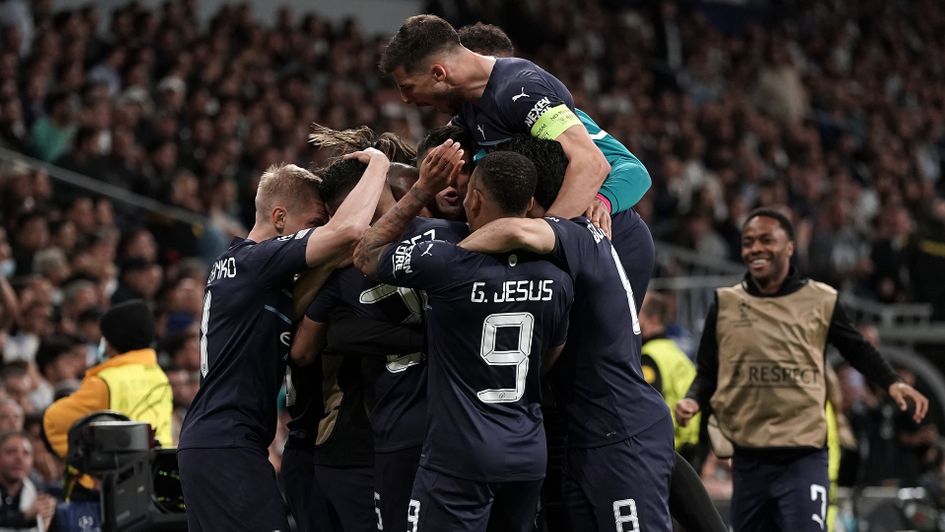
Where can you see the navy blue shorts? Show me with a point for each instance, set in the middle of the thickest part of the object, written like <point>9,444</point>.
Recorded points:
<point>230,489</point>
<point>307,503</point>
<point>623,486</point>
<point>441,502</point>
<point>393,481</point>
<point>350,492</point>
<point>779,490</point>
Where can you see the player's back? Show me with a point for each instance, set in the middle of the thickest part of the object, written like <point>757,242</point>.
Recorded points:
<point>599,375</point>
<point>245,334</point>
<point>516,100</point>
<point>490,320</point>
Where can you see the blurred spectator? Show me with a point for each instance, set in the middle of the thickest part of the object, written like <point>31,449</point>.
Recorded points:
<point>22,506</point>
<point>51,135</point>
<point>11,416</point>
<point>139,279</point>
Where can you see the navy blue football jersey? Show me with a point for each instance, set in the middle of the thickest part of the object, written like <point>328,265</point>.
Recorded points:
<point>245,334</point>
<point>520,97</point>
<point>399,414</point>
<point>634,244</point>
<point>490,319</point>
<point>599,375</point>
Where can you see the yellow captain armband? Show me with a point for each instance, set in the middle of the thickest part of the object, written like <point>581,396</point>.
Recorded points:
<point>553,122</point>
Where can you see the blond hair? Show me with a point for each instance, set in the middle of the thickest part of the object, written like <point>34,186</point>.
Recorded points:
<point>287,184</point>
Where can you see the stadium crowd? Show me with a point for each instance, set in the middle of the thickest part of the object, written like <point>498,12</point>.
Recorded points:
<point>832,108</point>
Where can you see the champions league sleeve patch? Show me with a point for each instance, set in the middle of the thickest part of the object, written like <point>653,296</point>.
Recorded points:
<point>548,122</point>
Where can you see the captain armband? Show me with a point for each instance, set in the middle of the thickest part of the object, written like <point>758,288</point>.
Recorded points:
<point>554,121</point>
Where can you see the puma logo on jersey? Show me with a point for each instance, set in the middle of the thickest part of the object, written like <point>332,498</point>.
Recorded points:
<point>517,96</point>
<point>481,131</point>
<point>426,252</point>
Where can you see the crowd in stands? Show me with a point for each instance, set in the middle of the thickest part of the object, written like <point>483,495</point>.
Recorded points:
<point>835,109</point>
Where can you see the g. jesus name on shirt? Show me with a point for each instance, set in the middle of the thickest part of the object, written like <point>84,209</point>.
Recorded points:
<point>512,291</point>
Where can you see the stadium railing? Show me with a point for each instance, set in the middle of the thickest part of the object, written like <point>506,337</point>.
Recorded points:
<point>122,199</point>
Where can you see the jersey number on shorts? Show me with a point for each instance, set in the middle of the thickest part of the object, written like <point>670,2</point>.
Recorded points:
<point>204,325</point>
<point>625,516</point>
<point>413,515</point>
<point>525,323</point>
<point>818,491</point>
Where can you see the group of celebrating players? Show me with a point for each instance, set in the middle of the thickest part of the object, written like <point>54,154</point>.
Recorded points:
<point>452,319</point>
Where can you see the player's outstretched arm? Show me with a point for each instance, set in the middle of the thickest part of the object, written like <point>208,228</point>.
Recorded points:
<point>438,170</point>
<point>507,234</point>
<point>308,342</point>
<point>587,168</point>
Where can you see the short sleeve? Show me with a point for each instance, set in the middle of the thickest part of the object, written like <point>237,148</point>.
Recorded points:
<point>328,297</point>
<point>536,107</point>
<point>572,243</point>
<point>277,258</point>
<point>425,265</point>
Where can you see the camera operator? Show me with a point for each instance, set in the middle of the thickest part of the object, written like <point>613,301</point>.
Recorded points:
<point>128,381</point>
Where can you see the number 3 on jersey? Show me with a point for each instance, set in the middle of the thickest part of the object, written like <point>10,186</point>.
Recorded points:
<point>525,323</point>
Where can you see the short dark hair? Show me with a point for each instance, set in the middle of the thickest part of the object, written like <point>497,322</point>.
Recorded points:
<point>338,179</point>
<point>550,164</point>
<point>774,214</point>
<point>486,39</point>
<point>509,178</point>
<point>441,134</point>
<point>50,349</point>
<point>417,39</point>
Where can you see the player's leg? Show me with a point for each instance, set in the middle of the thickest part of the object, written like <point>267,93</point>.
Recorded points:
<point>576,502</point>
<point>552,516</point>
<point>689,503</point>
<point>627,483</point>
<point>753,509</point>
<point>222,497</point>
<point>307,502</point>
<point>441,502</point>
<point>514,506</point>
<point>394,473</point>
<point>802,492</point>
<point>350,492</point>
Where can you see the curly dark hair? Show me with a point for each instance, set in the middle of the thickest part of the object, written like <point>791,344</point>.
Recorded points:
<point>509,178</point>
<point>417,39</point>
<point>550,164</point>
<point>486,39</point>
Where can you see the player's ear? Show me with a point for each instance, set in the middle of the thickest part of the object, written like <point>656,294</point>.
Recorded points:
<point>278,218</point>
<point>790,248</point>
<point>438,72</point>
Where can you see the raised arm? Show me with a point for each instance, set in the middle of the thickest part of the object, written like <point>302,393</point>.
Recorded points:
<point>333,243</point>
<point>438,170</point>
<point>587,168</point>
<point>507,234</point>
